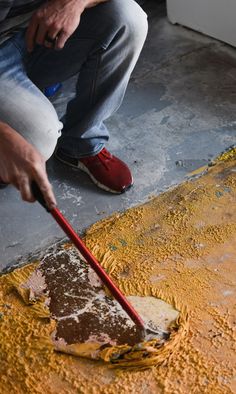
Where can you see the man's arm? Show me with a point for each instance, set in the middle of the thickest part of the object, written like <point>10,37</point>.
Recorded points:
<point>56,20</point>
<point>21,163</point>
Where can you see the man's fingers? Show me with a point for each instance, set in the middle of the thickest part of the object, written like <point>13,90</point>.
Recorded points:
<point>62,38</point>
<point>25,190</point>
<point>46,189</point>
<point>51,37</point>
<point>31,33</point>
<point>53,32</point>
<point>41,34</point>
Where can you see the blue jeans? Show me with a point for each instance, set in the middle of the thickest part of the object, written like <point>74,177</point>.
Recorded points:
<point>102,52</point>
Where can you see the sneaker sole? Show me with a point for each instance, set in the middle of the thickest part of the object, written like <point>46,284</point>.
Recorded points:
<point>83,168</point>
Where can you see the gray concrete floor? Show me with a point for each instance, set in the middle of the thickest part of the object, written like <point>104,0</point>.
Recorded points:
<point>179,108</point>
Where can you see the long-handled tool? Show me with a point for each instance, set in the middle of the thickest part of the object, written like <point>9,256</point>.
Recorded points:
<point>147,329</point>
<point>91,260</point>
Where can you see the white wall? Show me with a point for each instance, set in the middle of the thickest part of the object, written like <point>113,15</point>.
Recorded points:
<point>216,18</point>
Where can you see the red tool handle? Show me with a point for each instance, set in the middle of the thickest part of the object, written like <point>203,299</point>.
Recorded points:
<point>63,223</point>
<point>66,227</point>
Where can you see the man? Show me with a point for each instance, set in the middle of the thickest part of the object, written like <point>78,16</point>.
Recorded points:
<point>46,42</point>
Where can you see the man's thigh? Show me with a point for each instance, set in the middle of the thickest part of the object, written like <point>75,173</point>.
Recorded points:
<point>98,27</point>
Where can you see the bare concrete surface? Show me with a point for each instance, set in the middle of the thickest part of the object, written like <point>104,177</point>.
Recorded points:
<point>178,113</point>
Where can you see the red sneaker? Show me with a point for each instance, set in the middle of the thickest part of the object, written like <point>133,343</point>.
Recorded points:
<point>106,171</point>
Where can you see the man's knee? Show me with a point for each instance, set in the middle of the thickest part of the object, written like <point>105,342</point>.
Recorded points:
<point>132,20</point>
<point>44,133</point>
<point>40,131</point>
<point>116,20</point>
<point>32,116</point>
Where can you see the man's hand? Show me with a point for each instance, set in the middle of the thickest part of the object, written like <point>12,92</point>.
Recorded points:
<point>21,163</point>
<point>55,21</point>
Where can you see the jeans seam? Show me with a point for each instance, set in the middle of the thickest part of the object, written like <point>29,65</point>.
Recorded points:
<point>18,47</point>
<point>94,85</point>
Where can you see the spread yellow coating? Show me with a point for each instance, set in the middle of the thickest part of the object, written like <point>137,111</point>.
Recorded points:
<point>180,247</point>
<point>228,154</point>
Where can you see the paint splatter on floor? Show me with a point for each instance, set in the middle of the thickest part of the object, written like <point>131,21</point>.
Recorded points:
<point>180,247</point>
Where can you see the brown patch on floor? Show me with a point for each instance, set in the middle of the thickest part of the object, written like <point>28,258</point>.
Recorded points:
<point>83,311</point>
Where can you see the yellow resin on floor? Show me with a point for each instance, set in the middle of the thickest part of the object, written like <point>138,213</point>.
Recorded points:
<point>180,247</point>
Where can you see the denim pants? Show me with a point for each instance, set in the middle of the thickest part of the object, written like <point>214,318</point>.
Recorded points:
<point>102,52</point>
